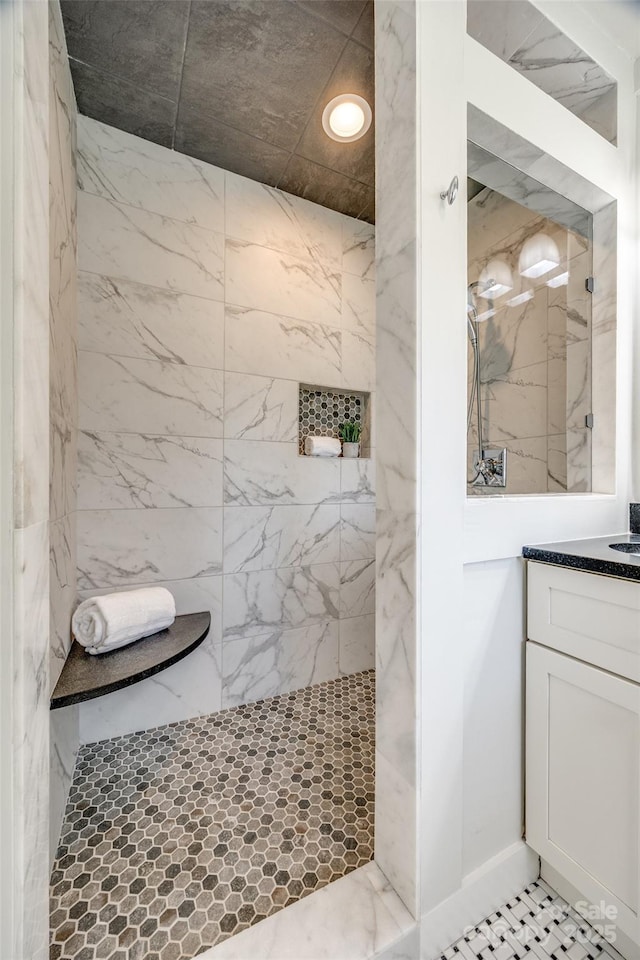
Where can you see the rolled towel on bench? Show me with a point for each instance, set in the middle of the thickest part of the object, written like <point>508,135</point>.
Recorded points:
<point>105,623</point>
<point>322,447</point>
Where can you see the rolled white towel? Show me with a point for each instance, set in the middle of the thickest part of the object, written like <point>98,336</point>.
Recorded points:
<point>105,623</point>
<point>322,447</point>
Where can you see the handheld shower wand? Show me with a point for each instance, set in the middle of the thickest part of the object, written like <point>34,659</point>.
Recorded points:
<point>490,465</point>
<point>472,331</point>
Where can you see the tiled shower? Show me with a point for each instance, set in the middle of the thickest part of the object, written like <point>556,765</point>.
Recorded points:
<point>535,338</point>
<point>209,309</point>
<point>190,361</point>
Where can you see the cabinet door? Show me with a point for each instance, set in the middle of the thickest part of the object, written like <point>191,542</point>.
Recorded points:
<point>583,770</point>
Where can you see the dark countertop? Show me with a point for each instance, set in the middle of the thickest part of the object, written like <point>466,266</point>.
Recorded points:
<point>85,676</point>
<point>595,556</point>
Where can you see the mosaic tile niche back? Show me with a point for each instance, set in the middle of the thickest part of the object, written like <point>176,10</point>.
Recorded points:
<point>322,411</point>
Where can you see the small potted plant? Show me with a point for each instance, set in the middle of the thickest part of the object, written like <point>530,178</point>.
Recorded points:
<point>350,436</point>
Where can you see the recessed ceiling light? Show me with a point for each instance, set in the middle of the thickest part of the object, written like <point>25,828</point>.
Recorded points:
<point>346,118</point>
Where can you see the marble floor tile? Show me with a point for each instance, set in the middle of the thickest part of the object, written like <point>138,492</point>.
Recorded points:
<point>127,242</point>
<point>118,166</point>
<point>141,471</point>
<point>147,396</point>
<point>537,923</point>
<point>263,538</point>
<point>129,319</point>
<point>358,916</point>
<point>178,837</point>
<point>268,280</point>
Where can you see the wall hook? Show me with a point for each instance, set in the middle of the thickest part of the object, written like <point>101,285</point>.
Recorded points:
<point>451,193</point>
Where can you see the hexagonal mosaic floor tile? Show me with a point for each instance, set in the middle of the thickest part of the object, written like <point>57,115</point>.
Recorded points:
<point>178,837</point>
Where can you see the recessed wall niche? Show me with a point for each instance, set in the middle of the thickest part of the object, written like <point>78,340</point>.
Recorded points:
<point>321,410</point>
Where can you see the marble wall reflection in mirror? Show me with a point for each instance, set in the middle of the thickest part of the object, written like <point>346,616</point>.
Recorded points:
<point>518,33</point>
<point>529,270</point>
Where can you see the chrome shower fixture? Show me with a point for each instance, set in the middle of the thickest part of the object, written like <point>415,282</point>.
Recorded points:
<point>490,466</point>
<point>490,469</point>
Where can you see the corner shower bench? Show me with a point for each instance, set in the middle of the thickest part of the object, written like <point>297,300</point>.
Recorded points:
<point>85,676</point>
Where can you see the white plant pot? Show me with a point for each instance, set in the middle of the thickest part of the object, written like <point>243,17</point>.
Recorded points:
<point>350,449</point>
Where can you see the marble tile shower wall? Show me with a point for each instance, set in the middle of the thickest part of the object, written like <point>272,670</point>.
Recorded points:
<point>26,646</point>
<point>63,404</point>
<point>536,364</point>
<point>204,299</point>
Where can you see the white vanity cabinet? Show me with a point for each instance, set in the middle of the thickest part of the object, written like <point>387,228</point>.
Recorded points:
<point>583,734</point>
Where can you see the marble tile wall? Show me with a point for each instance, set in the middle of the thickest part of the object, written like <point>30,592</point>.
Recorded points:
<point>535,357</point>
<point>396,840</point>
<point>63,404</point>
<point>26,333</point>
<point>523,37</point>
<point>604,324</point>
<point>204,300</point>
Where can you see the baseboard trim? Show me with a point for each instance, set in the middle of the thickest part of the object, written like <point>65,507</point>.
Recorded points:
<point>482,892</point>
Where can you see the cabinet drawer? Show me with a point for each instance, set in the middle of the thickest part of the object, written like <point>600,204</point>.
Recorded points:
<point>588,616</point>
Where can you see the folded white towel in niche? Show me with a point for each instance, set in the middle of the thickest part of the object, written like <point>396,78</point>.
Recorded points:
<point>105,623</point>
<point>322,447</point>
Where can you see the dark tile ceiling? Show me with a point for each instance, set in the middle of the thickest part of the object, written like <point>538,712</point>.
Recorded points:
<point>239,83</point>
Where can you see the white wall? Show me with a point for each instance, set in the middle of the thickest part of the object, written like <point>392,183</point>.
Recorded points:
<point>472,773</point>
<point>204,299</point>
<point>493,733</point>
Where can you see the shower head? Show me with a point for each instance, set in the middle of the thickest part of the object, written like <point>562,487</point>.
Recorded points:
<point>478,286</point>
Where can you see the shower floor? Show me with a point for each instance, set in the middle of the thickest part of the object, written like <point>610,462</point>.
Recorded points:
<point>178,837</point>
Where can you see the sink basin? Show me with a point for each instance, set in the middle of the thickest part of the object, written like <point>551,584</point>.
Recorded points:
<point>631,548</point>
